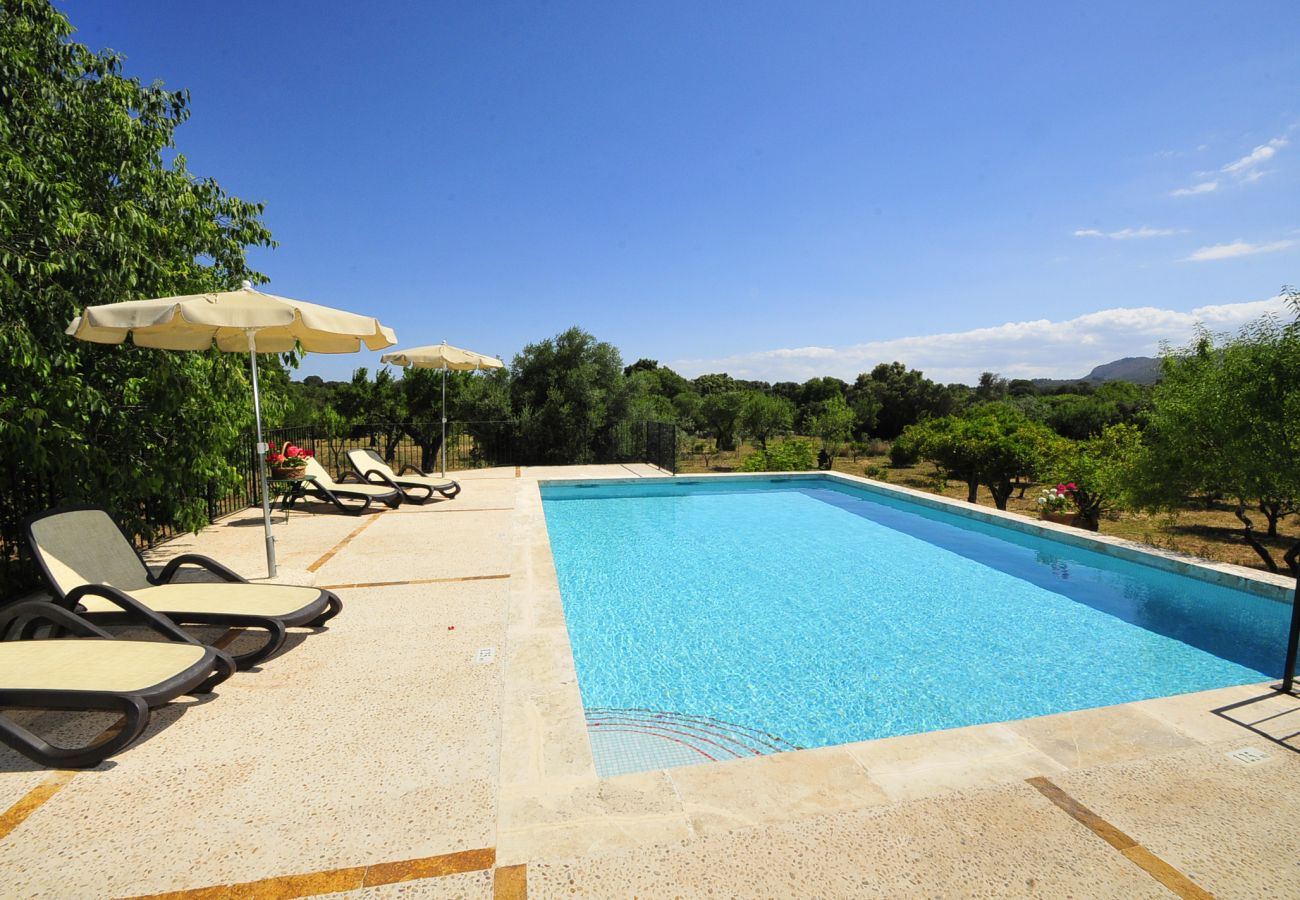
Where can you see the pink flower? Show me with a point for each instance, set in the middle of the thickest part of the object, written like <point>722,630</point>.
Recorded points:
<point>1071,487</point>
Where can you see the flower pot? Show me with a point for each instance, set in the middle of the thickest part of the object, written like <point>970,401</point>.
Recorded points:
<point>1060,518</point>
<point>283,473</point>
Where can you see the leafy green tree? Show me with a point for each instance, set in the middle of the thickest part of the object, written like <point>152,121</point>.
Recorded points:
<point>421,410</point>
<point>568,394</point>
<point>687,409</point>
<point>991,387</point>
<point>906,396</point>
<point>713,384</point>
<point>95,207</point>
<point>763,415</point>
<point>377,408</point>
<point>993,445</point>
<point>831,420</point>
<point>720,413</point>
<point>1101,469</point>
<point>1223,422</point>
<point>812,394</point>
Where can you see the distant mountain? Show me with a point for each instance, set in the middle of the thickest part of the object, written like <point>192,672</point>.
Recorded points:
<point>1138,369</point>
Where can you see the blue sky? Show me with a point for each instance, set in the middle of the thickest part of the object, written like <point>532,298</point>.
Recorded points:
<point>774,190</point>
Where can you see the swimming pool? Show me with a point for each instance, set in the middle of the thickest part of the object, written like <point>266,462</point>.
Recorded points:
<point>724,617</point>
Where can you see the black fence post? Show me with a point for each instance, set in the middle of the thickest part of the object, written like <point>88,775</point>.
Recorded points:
<point>1293,644</point>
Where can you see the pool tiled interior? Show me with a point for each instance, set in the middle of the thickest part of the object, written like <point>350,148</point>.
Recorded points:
<point>379,757</point>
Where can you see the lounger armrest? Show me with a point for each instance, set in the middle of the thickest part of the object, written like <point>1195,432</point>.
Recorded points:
<point>135,610</point>
<point>196,559</point>
<point>408,468</point>
<point>345,477</point>
<point>17,621</point>
<point>380,478</point>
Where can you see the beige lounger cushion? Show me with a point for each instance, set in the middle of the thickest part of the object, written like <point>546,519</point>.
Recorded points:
<point>89,664</point>
<point>85,546</point>
<point>323,477</point>
<point>216,597</point>
<point>368,463</point>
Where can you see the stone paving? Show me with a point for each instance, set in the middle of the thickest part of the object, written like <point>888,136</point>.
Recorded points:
<point>378,757</point>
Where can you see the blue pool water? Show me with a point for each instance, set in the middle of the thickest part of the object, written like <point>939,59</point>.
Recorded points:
<point>820,613</point>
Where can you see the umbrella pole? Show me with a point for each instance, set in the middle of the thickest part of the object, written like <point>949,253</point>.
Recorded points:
<point>261,456</point>
<point>442,448</point>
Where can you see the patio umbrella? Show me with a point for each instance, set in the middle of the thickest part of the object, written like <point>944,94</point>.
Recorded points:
<point>236,321</point>
<point>442,356</point>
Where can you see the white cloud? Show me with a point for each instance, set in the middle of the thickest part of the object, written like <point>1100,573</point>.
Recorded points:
<point>1203,188</point>
<point>1262,153</point>
<point>1238,248</point>
<point>1037,349</point>
<point>1244,170</point>
<point>1127,234</point>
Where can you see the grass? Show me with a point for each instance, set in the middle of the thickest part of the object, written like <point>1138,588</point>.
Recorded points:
<point>1212,532</point>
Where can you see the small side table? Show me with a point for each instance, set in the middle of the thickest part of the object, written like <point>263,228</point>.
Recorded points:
<point>290,490</point>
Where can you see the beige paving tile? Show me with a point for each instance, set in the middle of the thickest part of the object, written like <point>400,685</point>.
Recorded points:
<point>920,765</point>
<point>1109,734</point>
<point>417,547</point>
<point>1195,714</point>
<point>1006,841</point>
<point>1229,827</point>
<point>582,816</point>
<point>770,789</point>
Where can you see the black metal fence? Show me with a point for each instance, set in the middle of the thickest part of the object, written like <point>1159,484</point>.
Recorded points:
<point>470,445</point>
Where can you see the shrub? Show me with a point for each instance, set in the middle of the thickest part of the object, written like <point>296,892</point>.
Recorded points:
<point>904,452</point>
<point>794,455</point>
<point>879,473</point>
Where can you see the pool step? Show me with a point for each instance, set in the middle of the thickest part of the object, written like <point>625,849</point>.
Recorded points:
<point>635,740</point>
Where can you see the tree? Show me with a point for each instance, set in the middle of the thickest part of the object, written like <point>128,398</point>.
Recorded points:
<point>832,421</point>
<point>376,407</point>
<point>993,445</point>
<point>1100,468</point>
<point>813,393</point>
<point>906,396</point>
<point>762,416</point>
<point>421,410</point>
<point>720,413</point>
<point>992,386</point>
<point>94,207</point>
<point>567,393</point>
<point>713,384</point>
<point>1223,421</point>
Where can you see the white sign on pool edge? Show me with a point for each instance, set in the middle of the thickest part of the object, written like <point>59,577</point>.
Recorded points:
<point>485,655</point>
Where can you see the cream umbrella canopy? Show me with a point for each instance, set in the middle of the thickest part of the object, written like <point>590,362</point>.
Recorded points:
<point>442,356</point>
<point>236,321</point>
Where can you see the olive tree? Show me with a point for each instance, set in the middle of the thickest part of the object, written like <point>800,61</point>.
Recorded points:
<point>1223,422</point>
<point>993,445</point>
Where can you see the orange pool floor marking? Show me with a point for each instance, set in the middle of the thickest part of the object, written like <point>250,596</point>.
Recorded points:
<point>1134,852</point>
<point>33,800</point>
<point>370,584</point>
<point>341,544</point>
<point>350,878</point>
<point>510,883</point>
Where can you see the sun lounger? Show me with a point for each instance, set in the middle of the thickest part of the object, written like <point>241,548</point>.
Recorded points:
<point>41,668</point>
<point>93,569</point>
<point>323,487</point>
<point>371,467</point>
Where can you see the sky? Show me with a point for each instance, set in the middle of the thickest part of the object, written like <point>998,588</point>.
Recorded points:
<point>774,190</point>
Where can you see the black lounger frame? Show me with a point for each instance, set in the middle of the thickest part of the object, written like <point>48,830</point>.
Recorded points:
<point>40,619</point>
<point>375,476</point>
<point>326,606</point>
